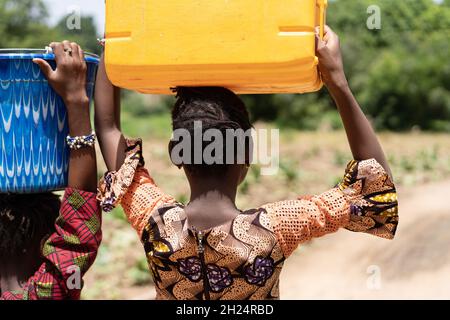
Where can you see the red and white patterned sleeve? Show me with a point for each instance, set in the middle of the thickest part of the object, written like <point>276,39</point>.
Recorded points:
<point>68,253</point>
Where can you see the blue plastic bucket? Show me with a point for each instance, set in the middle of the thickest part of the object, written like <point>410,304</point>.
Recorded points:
<point>34,156</point>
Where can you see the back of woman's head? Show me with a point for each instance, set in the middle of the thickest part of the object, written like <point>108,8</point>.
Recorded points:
<point>25,220</point>
<point>214,108</point>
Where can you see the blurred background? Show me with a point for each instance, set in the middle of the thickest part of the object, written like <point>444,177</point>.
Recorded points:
<point>400,74</point>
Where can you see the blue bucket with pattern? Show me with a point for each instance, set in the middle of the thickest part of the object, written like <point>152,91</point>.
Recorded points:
<point>34,156</point>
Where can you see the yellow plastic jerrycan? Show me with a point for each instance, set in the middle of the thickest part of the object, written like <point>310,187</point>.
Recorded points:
<point>248,46</point>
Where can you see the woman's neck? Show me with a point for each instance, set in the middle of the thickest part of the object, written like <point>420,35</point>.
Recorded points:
<point>9,283</point>
<point>14,274</point>
<point>216,198</point>
<point>213,189</point>
<point>10,280</point>
<point>211,203</point>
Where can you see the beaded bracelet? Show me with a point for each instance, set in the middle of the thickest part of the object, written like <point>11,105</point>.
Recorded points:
<point>76,143</point>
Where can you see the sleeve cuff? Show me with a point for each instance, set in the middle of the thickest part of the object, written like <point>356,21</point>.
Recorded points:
<point>372,198</point>
<point>115,184</point>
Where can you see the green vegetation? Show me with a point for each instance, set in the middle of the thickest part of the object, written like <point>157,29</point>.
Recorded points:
<point>23,25</point>
<point>399,73</point>
<point>139,273</point>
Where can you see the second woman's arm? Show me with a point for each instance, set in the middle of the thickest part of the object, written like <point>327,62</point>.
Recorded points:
<point>107,120</point>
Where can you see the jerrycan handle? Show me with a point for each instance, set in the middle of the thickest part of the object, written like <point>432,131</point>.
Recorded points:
<point>322,4</point>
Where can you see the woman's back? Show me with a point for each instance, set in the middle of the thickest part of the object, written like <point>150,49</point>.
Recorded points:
<point>242,258</point>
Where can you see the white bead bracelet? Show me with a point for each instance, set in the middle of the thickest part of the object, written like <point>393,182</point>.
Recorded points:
<point>76,143</point>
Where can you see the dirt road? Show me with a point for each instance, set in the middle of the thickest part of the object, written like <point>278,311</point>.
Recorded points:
<point>345,265</point>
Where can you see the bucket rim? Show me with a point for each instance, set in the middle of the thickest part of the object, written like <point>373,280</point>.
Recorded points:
<point>26,53</point>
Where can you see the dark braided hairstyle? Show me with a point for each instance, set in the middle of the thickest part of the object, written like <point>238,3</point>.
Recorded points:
<point>216,108</point>
<point>25,220</point>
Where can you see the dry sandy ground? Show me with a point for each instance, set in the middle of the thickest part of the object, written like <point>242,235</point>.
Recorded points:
<point>346,265</point>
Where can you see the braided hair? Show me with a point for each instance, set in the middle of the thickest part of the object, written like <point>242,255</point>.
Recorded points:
<point>216,108</point>
<point>25,220</point>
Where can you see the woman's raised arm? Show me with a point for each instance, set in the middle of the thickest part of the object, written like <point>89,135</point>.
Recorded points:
<point>361,136</point>
<point>107,120</point>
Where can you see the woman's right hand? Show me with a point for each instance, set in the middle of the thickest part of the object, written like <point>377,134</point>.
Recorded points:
<point>331,65</point>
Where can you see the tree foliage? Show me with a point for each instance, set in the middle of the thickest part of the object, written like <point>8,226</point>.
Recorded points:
<point>24,24</point>
<point>399,73</point>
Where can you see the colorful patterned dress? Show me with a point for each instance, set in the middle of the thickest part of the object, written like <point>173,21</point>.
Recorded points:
<point>242,259</point>
<point>68,253</point>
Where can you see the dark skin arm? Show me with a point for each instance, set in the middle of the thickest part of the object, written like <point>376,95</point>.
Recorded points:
<point>361,136</point>
<point>107,120</point>
<point>69,82</point>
